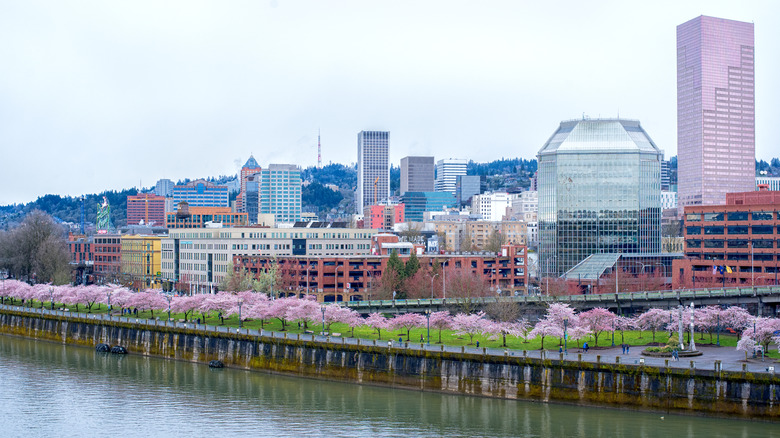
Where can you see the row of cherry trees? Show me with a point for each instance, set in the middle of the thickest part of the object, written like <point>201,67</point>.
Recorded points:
<point>559,318</point>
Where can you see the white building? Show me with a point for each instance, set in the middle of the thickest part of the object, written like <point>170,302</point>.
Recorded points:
<point>492,206</point>
<point>447,172</point>
<point>772,181</point>
<point>280,192</point>
<point>526,208</point>
<point>373,179</point>
<point>668,200</point>
<point>200,257</point>
<point>164,187</point>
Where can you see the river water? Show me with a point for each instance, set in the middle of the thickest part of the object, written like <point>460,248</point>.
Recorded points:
<point>48,389</point>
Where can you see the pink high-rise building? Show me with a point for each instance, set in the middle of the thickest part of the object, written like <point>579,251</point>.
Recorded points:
<point>715,110</point>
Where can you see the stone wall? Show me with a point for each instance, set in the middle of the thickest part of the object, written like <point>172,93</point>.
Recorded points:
<point>510,377</point>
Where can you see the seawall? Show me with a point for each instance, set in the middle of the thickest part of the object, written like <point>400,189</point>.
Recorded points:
<point>696,391</point>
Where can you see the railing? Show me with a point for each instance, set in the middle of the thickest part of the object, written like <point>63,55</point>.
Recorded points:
<point>335,339</point>
<point>609,297</point>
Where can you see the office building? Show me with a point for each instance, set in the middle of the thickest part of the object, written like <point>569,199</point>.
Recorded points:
<point>280,192</point>
<point>715,110</point>
<point>108,260</point>
<point>467,186</point>
<point>164,187</point>
<point>416,174</point>
<point>599,192</point>
<point>731,245</point>
<point>771,183</point>
<point>447,172</point>
<point>373,179</point>
<point>417,203</point>
<point>493,206</point>
<point>145,209</point>
<point>383,217</point>
<point>200,217</point>
<point>140,261</point>
<point>248,169</point>
<point>201,193</point>
<point>197,259</point>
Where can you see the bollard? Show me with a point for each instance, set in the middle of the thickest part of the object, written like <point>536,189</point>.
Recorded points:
<point>641,361</point>
<point>598,359</point>
<point>506,353</point>
<point>771,370</point>
<point>717,366</point>
<point>579,357</point>
<point>358,342</point>
<point>462,349</point>
<point>666,363</point>
<point>693,365</point>
<point>617,360</point>
<point>297,336</point>
<point>422,346</point>
<point>560,356</point>
<point>389,344</point>
<point>484,350</point>
<point>285,335</point>
<point>343,341</point>
<point>744,367</point>
<point>525,354</point>
<point>442,348</point>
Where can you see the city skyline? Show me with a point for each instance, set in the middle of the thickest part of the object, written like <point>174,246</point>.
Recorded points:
<point>157,88</point>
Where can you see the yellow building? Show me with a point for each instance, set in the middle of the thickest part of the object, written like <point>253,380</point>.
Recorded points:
<point>140,256</point>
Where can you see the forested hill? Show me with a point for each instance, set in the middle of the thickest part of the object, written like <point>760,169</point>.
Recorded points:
<point>68,209</point>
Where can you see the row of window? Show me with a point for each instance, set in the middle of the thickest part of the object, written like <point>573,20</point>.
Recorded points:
<point>732,243</point>
<point>732,229</point>
<point>731,216</point>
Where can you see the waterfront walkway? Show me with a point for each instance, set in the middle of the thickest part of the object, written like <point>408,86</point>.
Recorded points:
<point>730,359</point>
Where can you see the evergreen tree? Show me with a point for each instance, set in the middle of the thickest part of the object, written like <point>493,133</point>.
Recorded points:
<point>412,265</point>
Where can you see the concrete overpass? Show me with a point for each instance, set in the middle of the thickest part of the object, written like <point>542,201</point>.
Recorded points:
<point>761,300</point>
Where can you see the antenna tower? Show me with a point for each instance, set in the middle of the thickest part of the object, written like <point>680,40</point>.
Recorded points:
<point>319,151</point>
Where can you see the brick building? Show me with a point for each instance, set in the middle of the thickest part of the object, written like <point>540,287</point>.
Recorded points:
<point>730,245</point>
<point>107,256</point>
<point>353,278</point>
<point>196,217</point>
<point>145,208</point>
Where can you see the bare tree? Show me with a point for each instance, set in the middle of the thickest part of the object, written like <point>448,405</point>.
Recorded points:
<point>467,288</point>
<point>35,250</point>
<point>495,240</point>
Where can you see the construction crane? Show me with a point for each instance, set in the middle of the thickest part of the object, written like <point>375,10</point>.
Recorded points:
<point>376,181</point>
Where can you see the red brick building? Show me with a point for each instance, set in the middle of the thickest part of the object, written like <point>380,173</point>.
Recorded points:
<point>196,217</point>
<point>146,208</point>
<point>80,249</point>
<point>107,258</point>
<point>731,245</point>
<point>354,278</point>
<point>383,217</point>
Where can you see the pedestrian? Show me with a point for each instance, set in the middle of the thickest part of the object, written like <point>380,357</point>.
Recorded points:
<point>400,340</point>
<point>627,346</point>
<point>560,349</point>
<point>623,346</point>
<point>585,347</point>
<point>421,338</point>
<point>477,344</point>
<point>675,356</point>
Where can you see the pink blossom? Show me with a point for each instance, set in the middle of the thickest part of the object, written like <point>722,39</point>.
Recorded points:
<point>746,344</point>
<point>597,321</point>
<point>654,320</point>
<point>377,322</point>
<point>471,324</point>
<point>762,331</point>
<point>407,321</point>
<point>149,299</point>
<point>546,328</point>
<point>735,318</point>
<point>441,321</point>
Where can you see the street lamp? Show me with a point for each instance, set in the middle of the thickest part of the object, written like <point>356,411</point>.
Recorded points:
<point>444,279</point>
<point>108,297</point>
<point>613,332</point>
<point>51,297</point>
<point>432,278</point>
<point>323,318</point>
<point>718,342</point>
<point>428,318</point>
<point>240,303</point>
<point>168,298</point>
<point>565,340</point>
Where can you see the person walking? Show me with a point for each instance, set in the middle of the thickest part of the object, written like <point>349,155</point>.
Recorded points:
<point>623,347</point>
<point>627,346</point>
<point>585,346</point>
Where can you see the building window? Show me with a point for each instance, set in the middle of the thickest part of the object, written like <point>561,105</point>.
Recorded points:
<point>738,229</point>
<point>693,230</point>
<point>716,243</point>
<point>763,229</point>
<point>762,215</point>
<point>713,216</point>
<point>713,230</point>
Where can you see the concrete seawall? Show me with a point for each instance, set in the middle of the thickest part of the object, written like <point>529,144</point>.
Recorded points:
<point>642,387</point>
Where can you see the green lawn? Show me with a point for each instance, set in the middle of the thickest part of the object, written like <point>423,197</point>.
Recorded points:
<point>448,337</point>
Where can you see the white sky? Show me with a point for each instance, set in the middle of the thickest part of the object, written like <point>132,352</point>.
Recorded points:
<point>106,94</point>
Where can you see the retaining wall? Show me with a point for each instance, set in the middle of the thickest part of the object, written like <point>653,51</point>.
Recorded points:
<point>643,387</point>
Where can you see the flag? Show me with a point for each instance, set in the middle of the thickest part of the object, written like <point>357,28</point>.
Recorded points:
<point>714,269</point>
<point>728,269</point>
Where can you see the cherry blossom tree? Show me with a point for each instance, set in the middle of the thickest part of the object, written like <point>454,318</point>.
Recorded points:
<point>578,333</point>
<point>280,309</point>
<point>259,309</point>
<point>624,323</point>
<point>149,299</point>
<point>471,324</point>
<point>707,319</point>
<point>89,295</point>
<point>305,310</point>
<point>335,313</point>
<point>518,329</point>
<point>407,321</point>
<point>440,321</point>
<point>597,321</point>
<point>746,344</point>
<point>186,304</point>
<point>546,328</point>
<point>735,318</point>
<point>377,322</point>
<point>653,320</point>
<point>762,331</point>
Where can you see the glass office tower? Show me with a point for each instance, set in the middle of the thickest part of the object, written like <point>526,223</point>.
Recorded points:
<point>599,192</point>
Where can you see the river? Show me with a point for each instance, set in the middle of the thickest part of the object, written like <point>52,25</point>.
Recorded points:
<point>49,389</point>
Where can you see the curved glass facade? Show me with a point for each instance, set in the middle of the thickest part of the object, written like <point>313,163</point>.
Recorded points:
<point>599,192</point>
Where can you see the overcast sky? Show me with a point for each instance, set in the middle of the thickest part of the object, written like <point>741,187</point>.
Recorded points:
<point>109,94</point>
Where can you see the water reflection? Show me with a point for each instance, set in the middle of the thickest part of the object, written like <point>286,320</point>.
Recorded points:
<point>50,389</point>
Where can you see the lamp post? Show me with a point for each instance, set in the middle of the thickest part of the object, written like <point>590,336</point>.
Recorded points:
<point>168,298</point>
<point>752,269</point>
<point>322,307</point>
<point>613,332</point>
<point>428,318</point>
<point>51,297</point>
<point>240,303</point>
<point>444,279</point>
<point>718,338</point>
<point>432,278</point>
<point>108,298</point>
<point>565,337</point>
<point>307,277</point>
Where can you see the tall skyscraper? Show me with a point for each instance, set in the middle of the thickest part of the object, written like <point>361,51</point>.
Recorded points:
<point>447,171</point>
<point>715,110</point>
<point>373,169</point>
<point>416,174</point>
<point>164,187</point>
<point>280,192</point>
<point>249,168</point>
<point>599,192</point>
